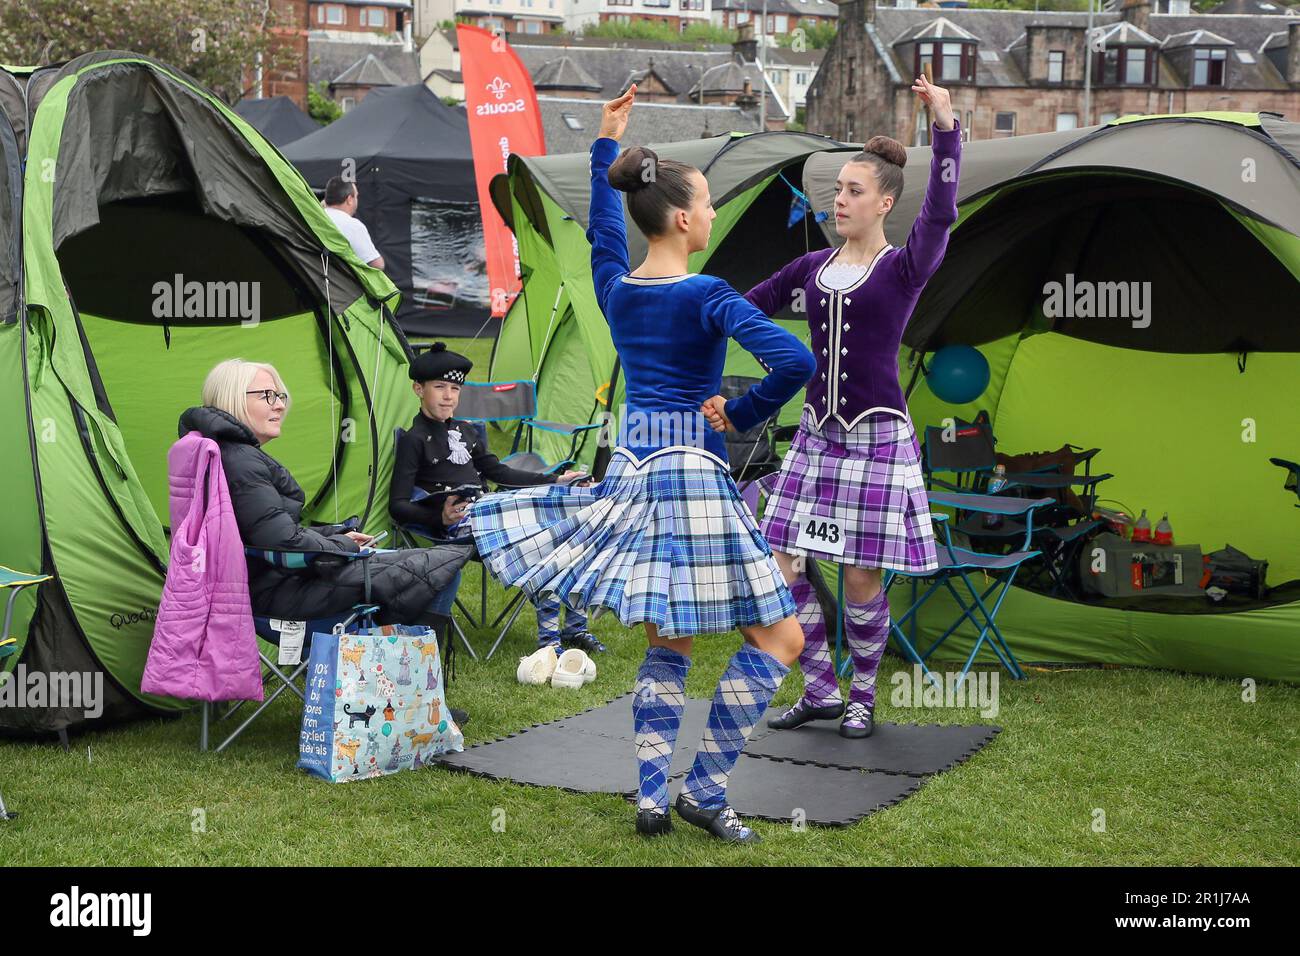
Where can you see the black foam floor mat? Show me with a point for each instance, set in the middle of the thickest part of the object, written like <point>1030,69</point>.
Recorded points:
<point>811,773</point>
<point>783,792</point>
<point>614,720</point>
<point>553,756</point>
<point>915,749</point>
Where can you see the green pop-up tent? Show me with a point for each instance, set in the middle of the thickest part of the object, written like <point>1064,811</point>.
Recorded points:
<point>1187,403</point>
<point>160,234</point>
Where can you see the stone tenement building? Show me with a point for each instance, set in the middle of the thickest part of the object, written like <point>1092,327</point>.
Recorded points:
<point>1011,71</point>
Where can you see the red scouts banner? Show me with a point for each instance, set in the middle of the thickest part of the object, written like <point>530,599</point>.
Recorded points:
<point>503,119</point>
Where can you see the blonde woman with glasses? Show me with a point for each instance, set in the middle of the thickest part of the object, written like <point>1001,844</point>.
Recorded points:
<point>244,408</point>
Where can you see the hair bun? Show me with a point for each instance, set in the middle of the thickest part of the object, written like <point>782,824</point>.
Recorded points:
<point>890,150</point>
<point>627,172</point>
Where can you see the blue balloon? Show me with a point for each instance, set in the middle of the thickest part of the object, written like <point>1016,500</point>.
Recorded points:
<point>958,374</point>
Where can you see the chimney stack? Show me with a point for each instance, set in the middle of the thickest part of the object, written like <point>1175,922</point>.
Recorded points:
<point>745,44</point>
<point>1138,13</point>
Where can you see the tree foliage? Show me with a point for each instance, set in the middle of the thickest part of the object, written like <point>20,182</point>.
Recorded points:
<point>217,42</point>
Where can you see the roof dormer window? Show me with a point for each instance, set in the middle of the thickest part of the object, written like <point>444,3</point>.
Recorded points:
<point>949,62</point>
<point>950,51</point>
<point>1208,67</point>
<point>1127,56</point>
<point>1201,55</point>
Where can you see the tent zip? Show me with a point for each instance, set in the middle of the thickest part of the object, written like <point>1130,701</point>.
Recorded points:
<point>374,436</point>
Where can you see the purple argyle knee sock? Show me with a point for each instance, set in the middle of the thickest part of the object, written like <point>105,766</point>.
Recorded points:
<point>866,629</point>
<point>819,684</point>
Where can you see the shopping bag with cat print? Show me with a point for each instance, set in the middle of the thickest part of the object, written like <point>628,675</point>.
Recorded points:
<point>375,704</point>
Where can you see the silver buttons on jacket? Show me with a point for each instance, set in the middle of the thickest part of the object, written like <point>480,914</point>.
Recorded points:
<point>844,351</point>
<point>843,376</point>
<point>823,301</point>
<point>848,301</point>
<point>846,326</point>
<point>823,326</point>
<point>824,352</point>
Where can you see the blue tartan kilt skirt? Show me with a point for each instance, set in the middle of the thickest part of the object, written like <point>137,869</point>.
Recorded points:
<point>666,540</point>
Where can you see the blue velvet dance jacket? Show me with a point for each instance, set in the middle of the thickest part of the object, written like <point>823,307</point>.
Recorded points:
<point>671,335</point>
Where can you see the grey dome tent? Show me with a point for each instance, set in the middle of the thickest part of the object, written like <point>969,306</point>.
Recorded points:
<point>1187,409</point>
<point>278,119</point>
<point>410,154</point>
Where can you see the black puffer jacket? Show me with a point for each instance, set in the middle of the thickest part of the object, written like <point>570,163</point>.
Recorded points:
<point>268,505</point>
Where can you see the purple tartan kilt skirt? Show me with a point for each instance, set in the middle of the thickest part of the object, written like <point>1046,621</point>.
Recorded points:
<point>869,479</point>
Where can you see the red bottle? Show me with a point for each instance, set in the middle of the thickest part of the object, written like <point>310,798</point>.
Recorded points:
<point>1164,531</point>
<point>1142,530</point>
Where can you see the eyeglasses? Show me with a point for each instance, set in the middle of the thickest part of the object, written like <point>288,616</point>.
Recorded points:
<point>270,396</point>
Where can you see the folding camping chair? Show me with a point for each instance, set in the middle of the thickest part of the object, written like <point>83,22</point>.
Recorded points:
<point>268,629</point>
<point>14,582</point>
<point>752,454</point>
<point>517,402</point>
<point>967,451</point>
<point>955,562</point>
<point>513,401</point>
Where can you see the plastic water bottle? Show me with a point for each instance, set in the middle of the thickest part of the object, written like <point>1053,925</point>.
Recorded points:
<point>996,484</point>
<point>1164,531</point>
<point>1142,530</point>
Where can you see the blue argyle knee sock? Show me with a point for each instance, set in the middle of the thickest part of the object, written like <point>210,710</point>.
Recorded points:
<point>746,688</point>
<point>548,621</point>
<point>575,622</point>
<point>657,706</point>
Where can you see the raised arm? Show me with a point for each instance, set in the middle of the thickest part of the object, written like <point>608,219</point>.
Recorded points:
<point>606,230</point>
<point>778,290</point>
<point>923,253</point>
<point>727,312</point>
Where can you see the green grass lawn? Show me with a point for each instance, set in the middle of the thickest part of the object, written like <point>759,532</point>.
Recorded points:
<point>1185,772</point>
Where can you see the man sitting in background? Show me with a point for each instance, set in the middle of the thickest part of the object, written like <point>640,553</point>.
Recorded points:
<point>341,199</point>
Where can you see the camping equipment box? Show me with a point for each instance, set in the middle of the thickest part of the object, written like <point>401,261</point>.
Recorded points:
<point>1128,568</point>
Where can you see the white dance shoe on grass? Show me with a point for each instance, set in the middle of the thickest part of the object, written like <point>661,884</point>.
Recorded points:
<point>573,669</point>
<point>537,667</point>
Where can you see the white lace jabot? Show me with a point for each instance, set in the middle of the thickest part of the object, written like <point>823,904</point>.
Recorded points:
<point>840,275</point>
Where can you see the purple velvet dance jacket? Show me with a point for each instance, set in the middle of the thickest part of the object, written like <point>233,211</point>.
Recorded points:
<point>856,331</point>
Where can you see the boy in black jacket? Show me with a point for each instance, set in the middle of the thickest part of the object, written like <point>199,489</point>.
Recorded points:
<point>439,454</point>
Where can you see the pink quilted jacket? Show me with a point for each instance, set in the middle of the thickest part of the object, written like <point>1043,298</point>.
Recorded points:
<point>204,646</point>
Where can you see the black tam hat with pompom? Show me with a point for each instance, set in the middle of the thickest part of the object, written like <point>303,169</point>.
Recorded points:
<point>439,365</point>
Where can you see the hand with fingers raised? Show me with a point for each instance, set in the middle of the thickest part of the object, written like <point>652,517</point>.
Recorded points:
<point>935,97</point>
<point>613,118</point>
